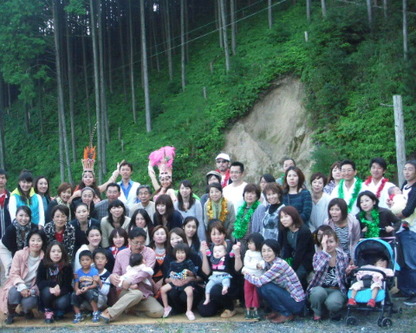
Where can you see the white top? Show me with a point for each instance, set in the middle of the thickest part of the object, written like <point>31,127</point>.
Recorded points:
<point>347,196</point>
<point>234,194</point>
<point>383,195</point>
<point>319,212</point>
<point>251,259</point>
<point>131,198</point>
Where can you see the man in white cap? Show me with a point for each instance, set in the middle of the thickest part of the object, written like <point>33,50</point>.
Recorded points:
<point>223,167</point>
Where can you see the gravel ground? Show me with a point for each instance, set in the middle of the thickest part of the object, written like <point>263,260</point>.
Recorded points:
<point>367,322</point>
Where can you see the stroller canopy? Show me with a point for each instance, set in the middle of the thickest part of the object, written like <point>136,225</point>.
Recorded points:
<point>371,247</point>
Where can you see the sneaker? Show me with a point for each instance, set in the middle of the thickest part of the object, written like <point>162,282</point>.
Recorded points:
<point>248,315</point>
<point>78,318</point>
<point>371,303</point>
<point>166,311</point>
<point>228,313</point>
<point>351,302</point>
<point>49,317</point>
<point>411,301</point>
<point>255,315</point>
<point>96,316</point>
<point>190,315</point>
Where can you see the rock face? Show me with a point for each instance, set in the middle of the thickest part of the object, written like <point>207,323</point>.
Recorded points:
<point>276,127</point>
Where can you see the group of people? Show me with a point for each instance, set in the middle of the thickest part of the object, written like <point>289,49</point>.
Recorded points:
<point>277,247</point>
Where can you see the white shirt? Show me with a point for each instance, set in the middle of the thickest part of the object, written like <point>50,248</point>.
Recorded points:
<point>347,196</point>
<point>372,187</point>
<point>234,194</point>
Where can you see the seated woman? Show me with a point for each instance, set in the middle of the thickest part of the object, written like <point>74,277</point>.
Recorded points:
<point>266,218</point>
<point>159,244</point>
<point>295,240</point>
<point>20,288</point>
<point>82,223</point>
<point>219,301</point>
<point>345,225</point>
<point>116,218</point>
<point>177,297</point>
<point>54,280</point>
<point>141,219</point>
<point>189,205</point>
<point>64,195</point>
<point>217,207</point>
<point>374,220</point>
<point>14,238</point>
<point>278,285</point>
<point>119,240</point>
<point>166,214</point>
<point>59,229</point>
<point>328,288</point>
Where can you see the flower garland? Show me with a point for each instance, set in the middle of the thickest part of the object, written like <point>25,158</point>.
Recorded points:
<point>243,219</point>
<point>373,229</point>
<point>224,210</point>
<point>380,187</point>
<point>357,188</point>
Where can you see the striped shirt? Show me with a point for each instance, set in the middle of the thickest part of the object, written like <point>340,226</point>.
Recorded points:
<point>281,274</point>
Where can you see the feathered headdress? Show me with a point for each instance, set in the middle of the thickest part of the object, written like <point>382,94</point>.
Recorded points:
<point>90,153</point>
<point>163,159</point>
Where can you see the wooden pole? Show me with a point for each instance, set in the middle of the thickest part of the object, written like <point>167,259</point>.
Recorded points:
<point>399,130</point>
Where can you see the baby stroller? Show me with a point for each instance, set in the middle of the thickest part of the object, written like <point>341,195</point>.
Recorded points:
<point>365,252</point>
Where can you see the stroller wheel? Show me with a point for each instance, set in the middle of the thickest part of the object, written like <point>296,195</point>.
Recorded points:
<point>351,321</point>
<point>385,322</point>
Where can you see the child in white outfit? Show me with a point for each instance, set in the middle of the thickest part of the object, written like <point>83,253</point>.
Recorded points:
<point>136,266</point>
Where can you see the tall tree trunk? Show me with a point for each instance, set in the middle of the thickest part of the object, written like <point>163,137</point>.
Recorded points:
<point>369,13</point>
<point>405,37</point>
<point>105,137</point>
<point>270,13</point>
<point>2,107</point>
<point>100,143</point>
<point>69,58</point>
<point>63,144</point>
<point>323,6</point>
<point>224,33</point>
<point>168,31</point>
<point>385,8</point>
<point>218,22</point>
<point>144,67</point>
<point>308,10</point>
<point>132,84</point>
<point>87,91</point>
<point>122,55</point>
<point>153,30</point>
<point>183,77</point>
<point>110,59</point>
<point>233,27</point>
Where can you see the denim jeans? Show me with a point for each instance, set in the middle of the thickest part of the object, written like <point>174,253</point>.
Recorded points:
<point>407,274</point>
<point>280,300</point>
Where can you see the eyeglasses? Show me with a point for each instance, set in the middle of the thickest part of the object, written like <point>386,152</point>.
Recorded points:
<point>136,243</point>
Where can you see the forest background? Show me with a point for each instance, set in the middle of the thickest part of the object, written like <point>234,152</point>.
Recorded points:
<point>144,74</point>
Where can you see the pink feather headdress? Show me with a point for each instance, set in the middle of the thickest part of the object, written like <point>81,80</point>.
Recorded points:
<point>163,159</point>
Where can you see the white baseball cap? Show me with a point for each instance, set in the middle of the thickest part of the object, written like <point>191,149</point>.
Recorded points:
<point>224,156</point>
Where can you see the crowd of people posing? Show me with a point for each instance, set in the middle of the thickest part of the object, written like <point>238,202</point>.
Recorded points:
<point>276,247</point>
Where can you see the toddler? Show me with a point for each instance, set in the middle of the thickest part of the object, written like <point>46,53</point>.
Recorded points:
<point>179,270</point>
<point>219,266</point>
<point>376,281</point>
<point>254,265</point>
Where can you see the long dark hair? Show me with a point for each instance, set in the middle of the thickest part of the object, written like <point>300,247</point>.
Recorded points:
<point>301,178</point>
<point>47,259</point>
<point>27,176</point>
<point>180,233</point>
<point>185,183</point>
<point>152,244</point>
<point>94,186</point>
<point>145,215</point>
<point>112,204</point>
<point>35,186</point>
<point>196,243</point>
<point>164,199</point>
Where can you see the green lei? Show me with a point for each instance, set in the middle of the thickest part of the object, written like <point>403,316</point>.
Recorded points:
<point>373,229</point>
<point>357,188</point>
<point>289,261</point>
<point>243,220</point>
